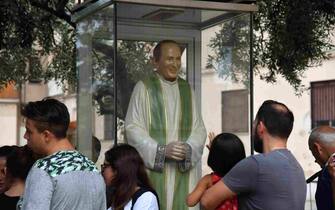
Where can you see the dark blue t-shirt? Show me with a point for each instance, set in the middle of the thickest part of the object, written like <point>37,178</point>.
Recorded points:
<point>323,195</point>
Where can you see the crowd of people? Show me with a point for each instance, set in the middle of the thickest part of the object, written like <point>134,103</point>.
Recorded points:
<point>159,166</point>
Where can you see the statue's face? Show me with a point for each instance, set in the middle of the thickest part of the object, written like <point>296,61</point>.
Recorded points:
<point>169,63</point>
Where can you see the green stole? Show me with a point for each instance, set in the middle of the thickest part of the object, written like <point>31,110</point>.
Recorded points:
<point>157,131</point>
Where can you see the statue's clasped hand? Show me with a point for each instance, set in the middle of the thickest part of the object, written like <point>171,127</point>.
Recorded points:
<point>175,150</point>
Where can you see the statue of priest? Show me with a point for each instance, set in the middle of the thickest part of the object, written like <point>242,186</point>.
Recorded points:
<point>164,124</point>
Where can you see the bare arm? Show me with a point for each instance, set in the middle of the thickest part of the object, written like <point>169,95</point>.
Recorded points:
<point>215,195</point>
<point>194,197</point>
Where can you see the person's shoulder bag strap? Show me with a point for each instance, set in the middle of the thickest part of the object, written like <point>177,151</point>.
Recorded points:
<point>138,194</point>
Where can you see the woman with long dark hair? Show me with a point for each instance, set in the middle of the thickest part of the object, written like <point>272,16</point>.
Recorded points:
<point>124,172</point>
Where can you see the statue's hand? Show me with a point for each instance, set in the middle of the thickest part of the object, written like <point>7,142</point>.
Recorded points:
<point>175,150</point>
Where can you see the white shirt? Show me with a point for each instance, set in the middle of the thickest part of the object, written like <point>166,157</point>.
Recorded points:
<point>147,201</point>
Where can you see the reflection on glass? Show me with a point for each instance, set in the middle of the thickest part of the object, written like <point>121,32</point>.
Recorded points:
<point>230,46</point>
<point>225,77</point>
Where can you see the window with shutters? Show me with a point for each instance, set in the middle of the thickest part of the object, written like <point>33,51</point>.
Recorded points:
<point>323,103</point>
<point>235,111</point>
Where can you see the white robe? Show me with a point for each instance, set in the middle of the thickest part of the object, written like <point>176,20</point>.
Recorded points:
<point>137,132</point>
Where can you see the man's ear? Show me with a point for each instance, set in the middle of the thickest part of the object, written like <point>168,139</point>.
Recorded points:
<point>261,128</point>
<point>317,146</point>
<point>47,135</point>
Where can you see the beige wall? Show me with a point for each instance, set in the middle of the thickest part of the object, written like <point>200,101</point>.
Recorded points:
<point>34,92</point>
<point>8,120</point>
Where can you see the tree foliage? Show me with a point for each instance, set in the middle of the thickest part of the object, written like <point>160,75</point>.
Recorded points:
<point>133,64</point>
<point>293,35</point>
<point>32,31</point>
<point>230,56</point>
<point>289,37</point>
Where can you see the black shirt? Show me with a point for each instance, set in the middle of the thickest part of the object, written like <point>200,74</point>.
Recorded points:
<point>323,195</point>
<point>8,203</point>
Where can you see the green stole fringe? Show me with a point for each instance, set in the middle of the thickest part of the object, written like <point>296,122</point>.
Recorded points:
<point>157,131</point>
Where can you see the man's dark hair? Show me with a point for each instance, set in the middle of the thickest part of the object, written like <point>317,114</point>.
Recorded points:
<point>277,118</point>
<point>48,114</point>
<point>19,162</point>
<point>226,150</point>
<point>5,151</point>
<point>157,50</point>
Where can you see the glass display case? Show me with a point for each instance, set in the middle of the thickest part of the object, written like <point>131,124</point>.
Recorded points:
<point>114,51</point>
